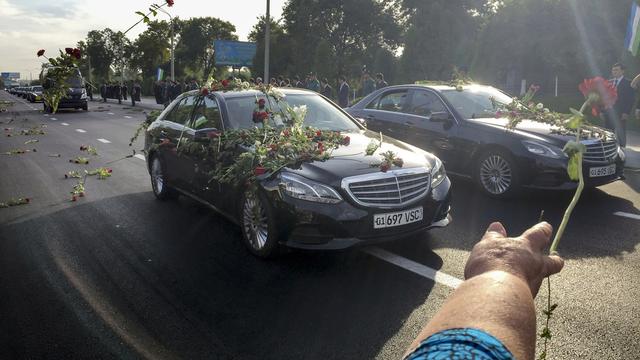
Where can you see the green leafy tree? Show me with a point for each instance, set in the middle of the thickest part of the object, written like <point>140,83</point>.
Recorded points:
<point>152,48</point>
<point>194,49</point>
<point>101,55</point>
<point>280,55</point>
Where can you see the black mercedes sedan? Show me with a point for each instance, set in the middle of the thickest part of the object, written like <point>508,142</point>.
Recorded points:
<point>333,204</point>
<point>461,128</point>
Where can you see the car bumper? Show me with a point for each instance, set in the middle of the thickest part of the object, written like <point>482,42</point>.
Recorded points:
<point>552,174</point>
<point>312,226</point>
<point>72,103</point>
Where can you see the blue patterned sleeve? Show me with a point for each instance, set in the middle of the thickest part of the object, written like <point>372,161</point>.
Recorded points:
<point>461,344</point>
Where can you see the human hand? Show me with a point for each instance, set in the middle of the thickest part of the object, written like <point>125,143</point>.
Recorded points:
<point>522,256</point>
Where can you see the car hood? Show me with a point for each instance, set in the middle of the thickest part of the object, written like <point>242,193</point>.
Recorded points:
<point>352,160</point>
<point>535,130</point>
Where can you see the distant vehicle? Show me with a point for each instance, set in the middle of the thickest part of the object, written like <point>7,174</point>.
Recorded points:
<point>76,95</point>
<point>461,128</point>
<point>333,204</point>
<point>35,94</point>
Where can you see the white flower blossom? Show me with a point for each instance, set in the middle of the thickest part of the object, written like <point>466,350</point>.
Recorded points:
<point>540,106</point>
<point>276,93</point>
<point>546,110</point>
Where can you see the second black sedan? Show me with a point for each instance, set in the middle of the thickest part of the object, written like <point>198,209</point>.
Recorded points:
<point>461,128</point>
<point>333,204</point>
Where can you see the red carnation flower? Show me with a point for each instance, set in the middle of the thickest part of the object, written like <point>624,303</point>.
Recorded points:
<point>77,54</point>
<point>259,170</point>
<point>73,198</point>
<point>346,141</point>
<point>273,147</point>
<point>261,103</point>
<point>204,91</point>
<point>398,162</point>
<point>286,133</point>
<point>384,167</point>
<point>225,83</point>
<point>318,133</point>
<point>602,93</point>
<point>320,147</point>
<point>68,50</point>
<point>109,171</point>
<point>27,200</point>
<point>169,3</point>
<point>40,52</point>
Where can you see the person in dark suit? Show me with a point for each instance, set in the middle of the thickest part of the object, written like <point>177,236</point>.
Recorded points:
<point>343,92</point>
<point>327,90</point>
<point>616,118</point>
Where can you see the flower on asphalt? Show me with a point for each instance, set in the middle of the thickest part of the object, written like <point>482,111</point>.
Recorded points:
<point>600,93</point>
<point>40,52</point>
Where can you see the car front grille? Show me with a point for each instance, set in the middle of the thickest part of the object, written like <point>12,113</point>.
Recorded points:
<point>600,150</point>
<point>388,190</point>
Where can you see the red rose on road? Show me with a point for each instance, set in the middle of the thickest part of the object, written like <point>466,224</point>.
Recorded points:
<point>40,52</point>
<point>259,170</point>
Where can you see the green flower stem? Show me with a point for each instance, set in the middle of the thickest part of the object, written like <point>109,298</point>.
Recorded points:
<point>576,196</point>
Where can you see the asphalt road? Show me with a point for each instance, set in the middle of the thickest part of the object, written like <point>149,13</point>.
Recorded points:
<point>118,274</point>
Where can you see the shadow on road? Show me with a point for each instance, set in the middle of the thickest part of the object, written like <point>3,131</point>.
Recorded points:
<point>129,276</point>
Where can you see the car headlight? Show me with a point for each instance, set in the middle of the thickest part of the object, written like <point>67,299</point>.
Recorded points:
<point>549,151</point>
<point>438,174</point>
<point>305,189</point>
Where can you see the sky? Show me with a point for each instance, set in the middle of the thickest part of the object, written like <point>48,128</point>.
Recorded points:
<point>29,25</point>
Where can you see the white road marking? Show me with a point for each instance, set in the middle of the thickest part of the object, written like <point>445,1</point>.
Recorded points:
<point>54,119</point>
<point>111,113</point>
<point>80,131</point>
<point>414,267</point>
<point>127,117</point>
<point>64,124</point>
<point>627,215</point>
<point>104,141</point>
<point>139,156</point>
<point>46,114</point>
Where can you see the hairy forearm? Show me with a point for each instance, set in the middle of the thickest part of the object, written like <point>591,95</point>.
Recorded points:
<point>496,302</point>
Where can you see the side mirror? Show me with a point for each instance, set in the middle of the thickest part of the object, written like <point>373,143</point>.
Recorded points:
<point>440,116</point>
<point>206,134</point>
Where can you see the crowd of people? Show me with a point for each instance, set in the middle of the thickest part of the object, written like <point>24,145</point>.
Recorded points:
<point>165,91</point>
<point>120,92</point>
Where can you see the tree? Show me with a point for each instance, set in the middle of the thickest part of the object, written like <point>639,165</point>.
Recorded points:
<point>152,48</point>
<point>195,47</point>
<point>353,29</point>
<point>101,55</point>
<point>279,49</point>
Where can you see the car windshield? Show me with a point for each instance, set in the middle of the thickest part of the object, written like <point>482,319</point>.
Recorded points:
<point>320,113</point>
<point>476,101</point>
<point>75,81</point>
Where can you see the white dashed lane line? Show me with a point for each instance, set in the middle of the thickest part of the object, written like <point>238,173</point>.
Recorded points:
<point>139,156</point>
<point>627,215</point>
<point>104,141</point>
<point>54,119</point>
<point>110,113</point>
<point>414,267</point>
<point>127,117</point>
<point>64,124</point>
<point>80,131</point>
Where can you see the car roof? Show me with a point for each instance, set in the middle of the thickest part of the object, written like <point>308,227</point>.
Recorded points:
<point>253,92</point>
<point>435,85</point>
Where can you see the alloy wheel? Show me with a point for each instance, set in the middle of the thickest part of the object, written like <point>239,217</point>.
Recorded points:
<point>496,174</point>
<point>255,222</point>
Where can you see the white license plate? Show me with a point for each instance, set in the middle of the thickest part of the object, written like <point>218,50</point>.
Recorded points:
<point>397,218</point>
<point>602,171</point>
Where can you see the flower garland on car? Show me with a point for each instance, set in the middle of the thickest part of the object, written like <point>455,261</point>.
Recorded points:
<point>267,148</point>
<point>63,67</point>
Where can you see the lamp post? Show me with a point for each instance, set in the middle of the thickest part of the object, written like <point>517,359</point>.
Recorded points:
<point>267,32</point>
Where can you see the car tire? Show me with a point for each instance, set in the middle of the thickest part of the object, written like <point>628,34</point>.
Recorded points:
<point>159,185</point>
<point>85,107</point>
<point>257,222</point>
<point>496,174</point>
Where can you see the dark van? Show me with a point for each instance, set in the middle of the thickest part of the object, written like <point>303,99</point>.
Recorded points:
<point>76,95</point>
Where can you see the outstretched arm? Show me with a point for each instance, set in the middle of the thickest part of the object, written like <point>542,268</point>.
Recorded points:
<point>503,275</point>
